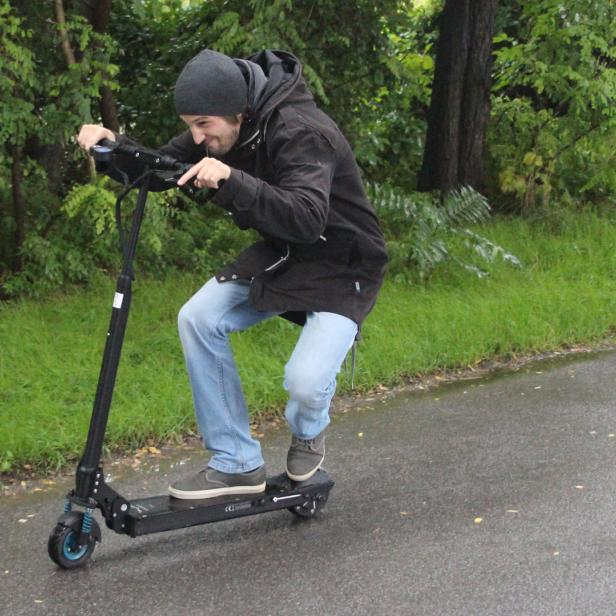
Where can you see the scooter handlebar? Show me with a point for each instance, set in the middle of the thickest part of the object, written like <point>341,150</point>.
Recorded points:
<point>105,148</point>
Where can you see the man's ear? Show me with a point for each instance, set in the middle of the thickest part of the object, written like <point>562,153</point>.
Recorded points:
<point>239,117</point>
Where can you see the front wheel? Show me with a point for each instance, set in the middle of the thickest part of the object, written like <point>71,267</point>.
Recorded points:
<point>63,545</point>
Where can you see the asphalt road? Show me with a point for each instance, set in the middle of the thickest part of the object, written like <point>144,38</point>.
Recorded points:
<point>486,497</point>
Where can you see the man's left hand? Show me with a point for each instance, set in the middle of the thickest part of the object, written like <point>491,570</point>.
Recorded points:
<point>208,172</point>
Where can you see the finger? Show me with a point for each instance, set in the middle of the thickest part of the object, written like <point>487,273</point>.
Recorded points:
<point>203,169</point>
<point>80,138</point>
<point>202,182</point>
<point>212,180</point>
<point>196,171</point>
<point>216,175</point>
<point>192,172</point>
<point>85,137</point>
<point>206,176</point>
<point>86,142</point>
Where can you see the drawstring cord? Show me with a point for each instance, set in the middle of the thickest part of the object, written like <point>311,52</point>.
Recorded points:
<point>353,349</point>
<point>346,365</point>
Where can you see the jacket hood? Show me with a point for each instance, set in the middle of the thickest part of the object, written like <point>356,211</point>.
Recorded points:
<point>284,81</point>
<point>273,77</point>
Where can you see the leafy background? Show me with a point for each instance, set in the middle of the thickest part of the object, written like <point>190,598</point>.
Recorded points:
<point>550,139</point>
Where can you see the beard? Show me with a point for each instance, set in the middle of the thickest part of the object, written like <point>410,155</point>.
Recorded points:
<point>221,144</point>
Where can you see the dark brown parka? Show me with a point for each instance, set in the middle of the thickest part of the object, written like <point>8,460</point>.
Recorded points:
<point>295,180</point>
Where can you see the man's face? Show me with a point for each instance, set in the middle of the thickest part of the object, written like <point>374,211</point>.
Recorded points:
<point>217,133</point>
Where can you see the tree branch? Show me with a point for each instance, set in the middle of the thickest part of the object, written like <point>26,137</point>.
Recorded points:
<point>66,44</point>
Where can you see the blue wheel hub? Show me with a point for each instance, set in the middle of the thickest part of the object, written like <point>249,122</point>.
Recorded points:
<point>71,549</point>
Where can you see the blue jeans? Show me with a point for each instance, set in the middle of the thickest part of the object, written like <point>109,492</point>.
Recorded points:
<point>205,323</point>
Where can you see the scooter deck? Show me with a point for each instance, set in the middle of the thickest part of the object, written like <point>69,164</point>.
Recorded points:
<point>160,513</point>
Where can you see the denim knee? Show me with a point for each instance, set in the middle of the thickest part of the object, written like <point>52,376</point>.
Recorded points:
<point>192,318</point>
<point>304,387</point>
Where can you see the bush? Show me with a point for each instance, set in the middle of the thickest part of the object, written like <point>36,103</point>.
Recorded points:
<point>176,233</point>
<point>554,104</point>
<point>424,230</point>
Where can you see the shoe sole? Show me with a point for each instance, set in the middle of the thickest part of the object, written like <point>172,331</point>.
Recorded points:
<point>201,494</point>
<point>307,475</point>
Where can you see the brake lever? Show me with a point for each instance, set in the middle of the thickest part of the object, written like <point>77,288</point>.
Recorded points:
<point>189,187</point>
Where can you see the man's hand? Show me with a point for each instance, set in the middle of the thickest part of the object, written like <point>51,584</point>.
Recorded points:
<point>91,134</point>
<point>207,172</point>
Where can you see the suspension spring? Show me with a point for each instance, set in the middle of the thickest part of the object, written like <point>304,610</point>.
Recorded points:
<point>86,524</point>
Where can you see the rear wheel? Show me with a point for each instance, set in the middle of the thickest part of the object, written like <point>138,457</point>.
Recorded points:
<point>310,508</point>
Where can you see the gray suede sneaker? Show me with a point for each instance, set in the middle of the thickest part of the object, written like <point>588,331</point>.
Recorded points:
<point>305,457</point>
<point>210,483</point>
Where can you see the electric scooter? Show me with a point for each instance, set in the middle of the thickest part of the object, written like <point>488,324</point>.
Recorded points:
<point>74,537</point>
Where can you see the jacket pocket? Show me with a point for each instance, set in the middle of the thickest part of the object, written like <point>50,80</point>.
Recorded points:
<point>259,258</point>
<point>339,248</point>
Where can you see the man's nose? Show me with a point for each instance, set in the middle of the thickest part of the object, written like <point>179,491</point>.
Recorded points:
<point>197,135</point>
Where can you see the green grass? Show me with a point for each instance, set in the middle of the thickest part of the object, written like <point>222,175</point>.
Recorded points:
<point>564,294</point>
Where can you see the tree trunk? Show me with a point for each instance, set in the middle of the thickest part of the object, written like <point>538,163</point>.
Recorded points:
<point>19,209</point>
<point>459,108</point>
<point>98,12</point>
<point>108,110</point>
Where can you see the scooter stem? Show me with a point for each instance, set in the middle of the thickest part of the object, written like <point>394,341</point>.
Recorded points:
<point>88,466</point>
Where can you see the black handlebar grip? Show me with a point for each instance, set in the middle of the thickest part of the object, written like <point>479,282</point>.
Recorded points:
<point>104,149</point>
<point>107,143</point>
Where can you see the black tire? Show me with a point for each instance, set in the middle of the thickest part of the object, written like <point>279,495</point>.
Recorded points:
<point>310,508</point>
<point>63,549</point>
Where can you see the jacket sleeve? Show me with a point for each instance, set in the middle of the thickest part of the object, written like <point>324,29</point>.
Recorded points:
<point>295,206</point>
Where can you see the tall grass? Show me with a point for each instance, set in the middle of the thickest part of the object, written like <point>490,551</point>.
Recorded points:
<point>50,350</point>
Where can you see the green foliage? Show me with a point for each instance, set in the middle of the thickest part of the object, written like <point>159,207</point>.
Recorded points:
<point>364,69</point>
<point>17,78</point>
<point>554,105</point>
<point>44,97</point>
<point>424,230</point>
<point>72,251</point>
<point>45,100</point>
<point>94,200</point>
<point>390,125</point>
<point>175,234</point>
<point>551,139</point>
<point>341,65</point>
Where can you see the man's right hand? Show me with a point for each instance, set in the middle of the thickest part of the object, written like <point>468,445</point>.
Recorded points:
<point>91,134</point>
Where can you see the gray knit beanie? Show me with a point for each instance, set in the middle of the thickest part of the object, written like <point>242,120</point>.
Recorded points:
<point>210,84</point>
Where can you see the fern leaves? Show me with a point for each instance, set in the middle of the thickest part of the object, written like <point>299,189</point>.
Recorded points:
<point>424,230</point>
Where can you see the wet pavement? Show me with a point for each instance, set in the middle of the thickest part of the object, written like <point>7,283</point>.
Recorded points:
<point>486,497</point>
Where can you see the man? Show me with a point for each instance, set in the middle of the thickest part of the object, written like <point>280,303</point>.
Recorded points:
<point>281,166</point>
